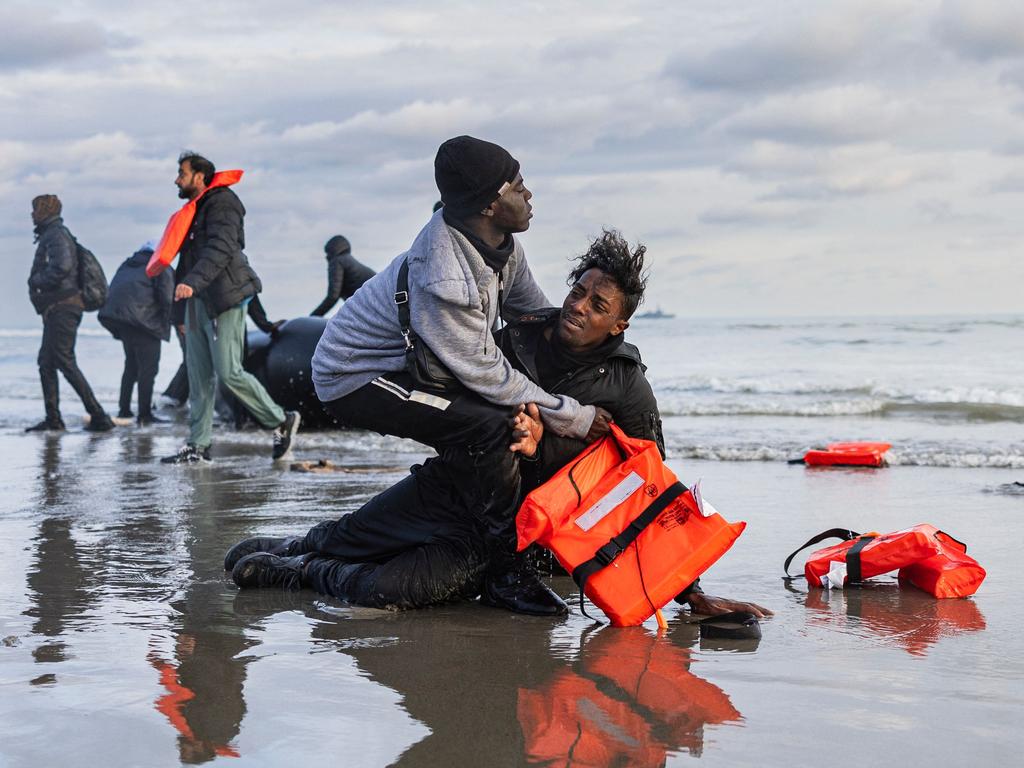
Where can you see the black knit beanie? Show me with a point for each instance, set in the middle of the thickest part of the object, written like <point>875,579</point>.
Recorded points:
<point>470,173</point>
<point>45,206</point>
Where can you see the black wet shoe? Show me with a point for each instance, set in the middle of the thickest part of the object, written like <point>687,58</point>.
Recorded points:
<point>284,434</point>
<point>101,423</point>
<point>125,414</point>
<point>259,544</point>
<point>262,569</point>
<point>149,419</point>
<point>189,454</point>
<point>47,425</point>
<point>520,590</point>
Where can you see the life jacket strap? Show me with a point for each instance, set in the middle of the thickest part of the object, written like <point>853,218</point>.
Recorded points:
<point>832,533</point>
<point>853,570</point>
<point>616,545</point>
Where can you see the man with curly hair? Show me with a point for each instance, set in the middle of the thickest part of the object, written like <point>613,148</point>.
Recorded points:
<point>580,351</point>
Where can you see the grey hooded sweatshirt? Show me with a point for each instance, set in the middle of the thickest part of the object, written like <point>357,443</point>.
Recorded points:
<point>453,306</point>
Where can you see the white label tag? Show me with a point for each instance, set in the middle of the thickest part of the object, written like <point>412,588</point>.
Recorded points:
<point>705,507</point>
<point>626,488</point>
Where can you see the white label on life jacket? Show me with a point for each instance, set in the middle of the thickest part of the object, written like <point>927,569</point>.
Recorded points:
<point>836,576</point>
<point>626,488</point>
<point>705,506</point>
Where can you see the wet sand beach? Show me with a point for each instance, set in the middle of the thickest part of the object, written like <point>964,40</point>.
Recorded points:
<point>125,644</point>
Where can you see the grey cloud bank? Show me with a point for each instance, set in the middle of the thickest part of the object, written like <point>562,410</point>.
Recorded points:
<point>775,160</point>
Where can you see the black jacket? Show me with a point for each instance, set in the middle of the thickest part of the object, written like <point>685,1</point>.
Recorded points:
<point>617,384</point>
<point>211,261</point>
<point>344,276</point>
<point>54,275</point>
<point>137,301</point>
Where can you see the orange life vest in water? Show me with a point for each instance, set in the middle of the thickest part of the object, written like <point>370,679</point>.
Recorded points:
<point>848,455</point>
<point>925,557</point>
<point>179,223</point>
<point>618,504</point>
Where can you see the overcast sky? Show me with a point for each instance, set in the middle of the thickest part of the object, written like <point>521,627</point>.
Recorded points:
<point>777,158</point>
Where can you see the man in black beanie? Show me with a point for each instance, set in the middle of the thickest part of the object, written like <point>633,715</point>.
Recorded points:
<point>451,522</point>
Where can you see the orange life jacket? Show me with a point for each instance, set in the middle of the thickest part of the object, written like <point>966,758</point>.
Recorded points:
<point>618,504</point>
<point>925,557</point>
<point>179,223</point>
<point>848,455</point>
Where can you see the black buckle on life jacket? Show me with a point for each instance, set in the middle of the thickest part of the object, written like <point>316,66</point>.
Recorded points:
<point>606,554</point>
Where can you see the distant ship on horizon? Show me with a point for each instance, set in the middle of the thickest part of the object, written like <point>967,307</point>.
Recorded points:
<point>656,314</point>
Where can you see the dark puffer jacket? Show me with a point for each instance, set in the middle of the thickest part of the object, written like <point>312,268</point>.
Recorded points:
<point>54,275</point>
<point>211,261</point>
<point>344,274</point>
<point>137,301</point>
<point>617,384</point>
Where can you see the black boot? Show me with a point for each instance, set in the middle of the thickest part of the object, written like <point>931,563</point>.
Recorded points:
<point>148,419</point>
<point>262,569</point>
<point>245,547</point>
<point>520,590</point>
<point>47,425</point>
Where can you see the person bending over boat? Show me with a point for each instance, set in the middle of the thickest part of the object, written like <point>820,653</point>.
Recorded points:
<point>579,349</point>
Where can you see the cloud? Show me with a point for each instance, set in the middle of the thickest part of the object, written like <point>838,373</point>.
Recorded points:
<point>760,215</point>
<point>784,54</point>
<point>834,115</point>
<point>33,38</point>
<point>982,29</point>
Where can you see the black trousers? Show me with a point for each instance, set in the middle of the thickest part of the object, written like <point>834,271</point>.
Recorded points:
<point>141,362</point>
<point>405,548</point>
<point>430,537</point>
<point>57,353</point>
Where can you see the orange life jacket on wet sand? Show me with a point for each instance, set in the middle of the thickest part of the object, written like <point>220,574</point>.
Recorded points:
<point>925,556</point>
<point>618,505</point>
<point>179,223</point>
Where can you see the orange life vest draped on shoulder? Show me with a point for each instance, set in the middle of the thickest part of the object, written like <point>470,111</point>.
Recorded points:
<point>179,223</point>
<point>617,503</point>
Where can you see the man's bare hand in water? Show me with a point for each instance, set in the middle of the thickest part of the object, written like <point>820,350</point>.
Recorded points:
<point>709,605</point>
<point>600,426</point>
<point>527,430</point>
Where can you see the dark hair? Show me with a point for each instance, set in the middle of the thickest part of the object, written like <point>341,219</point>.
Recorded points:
<point>199,164</point>
<point>610,253</point>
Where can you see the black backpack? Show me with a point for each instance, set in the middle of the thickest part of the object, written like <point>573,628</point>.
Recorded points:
<point>91,279</point>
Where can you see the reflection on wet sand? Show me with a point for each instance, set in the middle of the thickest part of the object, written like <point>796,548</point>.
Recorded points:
<point>59,580</point>
<point>494,689</point>
<point>630,699</point>
<point>203,674</point>
<point>901,616</point>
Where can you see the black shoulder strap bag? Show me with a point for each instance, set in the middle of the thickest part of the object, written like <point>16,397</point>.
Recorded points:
<point>422,364</point>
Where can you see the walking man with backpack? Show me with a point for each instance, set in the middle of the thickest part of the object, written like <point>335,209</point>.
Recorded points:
<point>56,291</point>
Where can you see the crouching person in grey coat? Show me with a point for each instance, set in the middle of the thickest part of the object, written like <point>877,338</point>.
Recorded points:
<point>138,313</point>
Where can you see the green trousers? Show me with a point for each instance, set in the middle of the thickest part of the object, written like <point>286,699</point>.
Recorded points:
<point>213,349</point>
